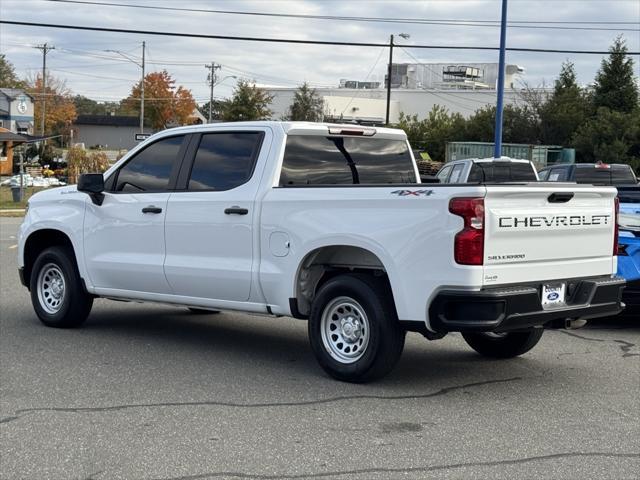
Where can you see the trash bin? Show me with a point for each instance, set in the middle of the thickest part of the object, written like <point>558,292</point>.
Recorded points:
<point>16,194</point>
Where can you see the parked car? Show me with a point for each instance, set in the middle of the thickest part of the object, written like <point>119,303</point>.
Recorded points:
<point>327,223</point>
<point>487,170</point>
<point>629,252</point>
<point>599,173</point>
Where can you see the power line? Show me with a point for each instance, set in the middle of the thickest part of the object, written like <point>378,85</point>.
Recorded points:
<point>297,41</point>
<point>416,21</point>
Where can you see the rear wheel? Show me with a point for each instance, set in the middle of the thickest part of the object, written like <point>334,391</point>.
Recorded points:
<point>503,345</point>
<point>57,293</point>
<point>354,330</point>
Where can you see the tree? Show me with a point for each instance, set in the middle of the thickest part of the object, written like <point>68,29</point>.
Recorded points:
<point>519,125</point>
<point>60,111</point>
<point>564,111</point>
<point>87,106</point>
<point>432,133</point>
<point>8,77</point>
<point>615,85</point>
<point>248,103</point>
<point>307,106</point>
<point>610,136</point>
<point>164,104</point>
<point>216,111</point>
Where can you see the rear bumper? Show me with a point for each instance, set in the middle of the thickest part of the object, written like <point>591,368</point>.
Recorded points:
<point>631,294</point>
<point>518,307</point>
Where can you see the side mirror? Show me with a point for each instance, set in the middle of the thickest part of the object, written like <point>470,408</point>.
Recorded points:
<point>92,184</point>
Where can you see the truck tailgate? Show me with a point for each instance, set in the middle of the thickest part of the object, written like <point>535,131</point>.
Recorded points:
<point>548,232</point>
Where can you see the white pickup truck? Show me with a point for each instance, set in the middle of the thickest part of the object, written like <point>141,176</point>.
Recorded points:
<point>327,223</point>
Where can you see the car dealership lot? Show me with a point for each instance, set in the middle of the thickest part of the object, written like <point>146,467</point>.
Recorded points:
<point>146,391</point>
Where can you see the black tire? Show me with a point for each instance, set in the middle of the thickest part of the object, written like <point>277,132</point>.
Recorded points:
<point>202,311</point>
<point>506,345</point>
<point>385,336</point>
<point>74,302</point>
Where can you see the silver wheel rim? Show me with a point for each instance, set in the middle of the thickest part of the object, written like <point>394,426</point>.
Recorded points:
<point>345,330</point>
<point>51,287</point>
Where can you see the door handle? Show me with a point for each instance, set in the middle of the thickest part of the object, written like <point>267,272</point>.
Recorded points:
<point>560,197</point>
<point>235,210</point>
<point>151,209</point>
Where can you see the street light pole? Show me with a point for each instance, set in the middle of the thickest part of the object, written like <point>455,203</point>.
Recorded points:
<point>497,150</point>
<point>142,91</point>
<point>142,66</point>
<point>389,78</point>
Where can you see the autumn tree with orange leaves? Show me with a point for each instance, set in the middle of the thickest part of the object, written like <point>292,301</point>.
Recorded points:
<point>60,111</point>
<point>164,104</point>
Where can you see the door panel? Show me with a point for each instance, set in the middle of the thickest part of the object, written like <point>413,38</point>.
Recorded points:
<point>209,225</point>
<point>124,247</point>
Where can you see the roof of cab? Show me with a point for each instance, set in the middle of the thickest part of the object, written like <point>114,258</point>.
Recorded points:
<point>483,160</point>
<point>287,127</point>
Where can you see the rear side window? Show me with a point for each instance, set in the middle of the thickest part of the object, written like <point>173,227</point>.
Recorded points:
<point>224,160</point>
<point>456,173</point>
<point>332,160</point>
<point>623,174</point>
<point>543,174</point>
<point>150,169</point>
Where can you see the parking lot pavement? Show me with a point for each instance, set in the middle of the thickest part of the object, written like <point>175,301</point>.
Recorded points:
<point>154,392</point>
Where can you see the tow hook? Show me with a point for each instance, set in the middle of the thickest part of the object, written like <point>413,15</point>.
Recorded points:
<point>574,323</point>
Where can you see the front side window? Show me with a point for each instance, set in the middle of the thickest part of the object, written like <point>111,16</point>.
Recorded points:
<point>224,160</point>
<point>334,160</point>
<point>444,174</point>
<point>150,169</point>
<point>558,175</point>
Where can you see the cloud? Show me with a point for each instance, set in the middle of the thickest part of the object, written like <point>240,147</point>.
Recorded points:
<point>80,57</point>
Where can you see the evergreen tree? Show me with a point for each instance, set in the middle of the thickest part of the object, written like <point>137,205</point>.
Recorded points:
<point>248,103</point>
<point>615,85</point>
<point>565,110</point>
<point>307,105</point>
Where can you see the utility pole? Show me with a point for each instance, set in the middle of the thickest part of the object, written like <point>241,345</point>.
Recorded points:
<point>389,79</point>
<point>497,150</point>
<point>45,49</point>
<point>142,92</point>
<point>212,80</point>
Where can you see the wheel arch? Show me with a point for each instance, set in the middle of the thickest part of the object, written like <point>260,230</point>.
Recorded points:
<point>39,240</point>
<point>322,263</point>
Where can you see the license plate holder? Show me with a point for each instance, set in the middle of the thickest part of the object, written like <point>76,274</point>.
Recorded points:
<point>553,295</point>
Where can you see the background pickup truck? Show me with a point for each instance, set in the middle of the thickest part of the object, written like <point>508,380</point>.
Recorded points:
<point>327,223</point>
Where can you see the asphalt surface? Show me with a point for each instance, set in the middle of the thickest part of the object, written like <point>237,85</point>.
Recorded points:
<point>154,392</point>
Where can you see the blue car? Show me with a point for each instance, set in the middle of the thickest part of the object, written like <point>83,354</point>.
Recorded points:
<point>629,253</point>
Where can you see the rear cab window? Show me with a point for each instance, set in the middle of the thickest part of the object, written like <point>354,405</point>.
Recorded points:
<point>345,160</point>
<point>496,172</point>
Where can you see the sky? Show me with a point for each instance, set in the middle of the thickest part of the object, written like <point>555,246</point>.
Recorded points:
<point>87,61</point>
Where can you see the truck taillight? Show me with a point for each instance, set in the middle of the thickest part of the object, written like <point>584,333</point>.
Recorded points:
<point>469,242</point>
<point>615,227</point>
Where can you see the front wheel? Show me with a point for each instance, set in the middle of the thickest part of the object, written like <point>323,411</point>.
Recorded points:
<point>503,345</point>
<point>354,330</point>
<point>57,294</point>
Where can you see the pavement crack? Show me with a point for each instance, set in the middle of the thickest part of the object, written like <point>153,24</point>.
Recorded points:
<point>424,469</point>
<point>626,348</point>
<point>622,344</point>
<point>443,391</point>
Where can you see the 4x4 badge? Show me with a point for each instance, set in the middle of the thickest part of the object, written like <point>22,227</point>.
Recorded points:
<point>412,193</point>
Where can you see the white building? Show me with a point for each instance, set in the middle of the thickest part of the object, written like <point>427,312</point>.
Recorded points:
<point>369,105</point>
<point>458,76</point>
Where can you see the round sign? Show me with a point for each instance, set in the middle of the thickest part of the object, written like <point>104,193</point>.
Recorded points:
<point>22,105</point>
